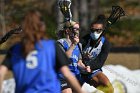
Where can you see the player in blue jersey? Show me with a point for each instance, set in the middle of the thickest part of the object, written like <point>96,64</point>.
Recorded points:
<point>95,52</point>
<point>36,60</point>
<point>70,45</point>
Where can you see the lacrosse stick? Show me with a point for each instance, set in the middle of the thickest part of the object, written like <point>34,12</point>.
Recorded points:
<point>64,6</point>
<point>115,15</point>
<point>10,33</point>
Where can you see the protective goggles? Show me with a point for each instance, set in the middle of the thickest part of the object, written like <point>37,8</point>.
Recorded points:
<point>97,30</point>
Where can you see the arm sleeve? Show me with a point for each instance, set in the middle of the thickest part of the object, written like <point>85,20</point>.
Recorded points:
<point>6,62</point>
<point>100,60</point>
<point>61,58</point>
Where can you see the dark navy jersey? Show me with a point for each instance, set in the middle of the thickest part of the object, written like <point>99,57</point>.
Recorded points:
<point>74,57</point>
<point>98,53</point>
<point>37,72</point>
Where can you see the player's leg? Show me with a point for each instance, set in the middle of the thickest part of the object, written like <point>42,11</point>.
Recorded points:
<point>101,82</point>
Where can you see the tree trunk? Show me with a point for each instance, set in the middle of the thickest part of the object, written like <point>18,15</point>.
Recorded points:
<point>74,9</point>
<point>3,28</point>
<point>93,6</point>
<point>59,17</point>
<point>83,16</point>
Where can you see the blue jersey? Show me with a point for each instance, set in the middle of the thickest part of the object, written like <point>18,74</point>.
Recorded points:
<point>36,73</point>
<point>73,66</point>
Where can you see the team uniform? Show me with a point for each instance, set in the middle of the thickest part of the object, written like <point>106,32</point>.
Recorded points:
<point>73,66</point>
<point>98,55</point>
<point>37,72</point>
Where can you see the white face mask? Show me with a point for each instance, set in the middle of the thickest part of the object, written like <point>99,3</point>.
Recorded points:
<point>95,35</point>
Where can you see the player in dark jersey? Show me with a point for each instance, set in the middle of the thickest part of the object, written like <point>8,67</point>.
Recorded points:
<point>36,60</point>
<point>69,45</point>
<point>95,52</point>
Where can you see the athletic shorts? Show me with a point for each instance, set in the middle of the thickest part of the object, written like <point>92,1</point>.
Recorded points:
<point>65,85</point>
<point>87,77</point>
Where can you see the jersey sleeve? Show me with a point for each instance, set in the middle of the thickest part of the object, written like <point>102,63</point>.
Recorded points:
<point>101,58</point>
<point>60,45</point>
<point>61,58</point>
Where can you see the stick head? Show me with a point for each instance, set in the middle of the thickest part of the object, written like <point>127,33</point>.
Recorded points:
<point>116,13</point>
<point>64,6</point>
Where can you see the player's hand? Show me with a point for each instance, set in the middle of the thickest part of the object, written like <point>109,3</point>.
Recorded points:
<point>75,40</point>
<point>86,56</point>
<point>88,69</point>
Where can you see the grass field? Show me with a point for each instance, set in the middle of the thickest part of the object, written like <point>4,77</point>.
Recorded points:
<point>129,60</point>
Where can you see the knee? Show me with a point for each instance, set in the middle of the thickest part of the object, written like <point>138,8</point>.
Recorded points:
<point>106,88</point>
<point>67,90</point>
<point>109,88</point>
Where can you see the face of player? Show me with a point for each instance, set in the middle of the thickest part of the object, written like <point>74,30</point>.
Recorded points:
<point>73,32</point>
<point>96,31</point>
<point>76,30</point>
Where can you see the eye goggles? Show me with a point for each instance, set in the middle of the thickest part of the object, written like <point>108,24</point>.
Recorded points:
<point>74,29</point>
<point>74,32</point>
<point>97,30</point>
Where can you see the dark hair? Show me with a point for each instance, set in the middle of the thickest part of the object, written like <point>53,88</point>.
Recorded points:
<point>101,19</point>
<point>32,31</point>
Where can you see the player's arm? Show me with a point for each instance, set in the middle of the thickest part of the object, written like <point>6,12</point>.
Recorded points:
<point>3,72</point>
<point>5,65</point>
<point>82,66</point>
<point>100,60</point>
<point>74,41</point>
<point>69,51</point>
<point>62,62</point>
